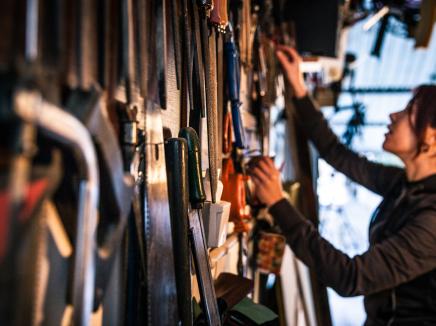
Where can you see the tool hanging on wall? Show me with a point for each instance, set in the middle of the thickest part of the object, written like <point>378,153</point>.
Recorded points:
<point>176,152</point>
<point>196,230</point>
<point>207,56</point>
<point>94,107</point>
<point>161,281</point>
<point>258,91</point>
<point>187,96</point>
<point>234,190</point>
<point>69,129</point>
<point>160,289</point>
<point>233,81</point>
<point>220,20</point>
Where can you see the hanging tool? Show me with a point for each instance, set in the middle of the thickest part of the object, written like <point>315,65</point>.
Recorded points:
<point>219,19</point>
<point>207,45</point>
<point>30,107</point>
<point>219,16</point>
<point>143,123</point>
<point>175,26</point>
<point>187,69</point>
<point>196,231</point>
<point>176,152</point>
<point>234,189</point>
<point>115,194</point>
<point>132,112</point>
<point>161,280</point>
<point>199,64</point>
<point>233,80</point>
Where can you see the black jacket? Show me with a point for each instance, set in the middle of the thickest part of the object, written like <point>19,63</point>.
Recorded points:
<point>397,275</point>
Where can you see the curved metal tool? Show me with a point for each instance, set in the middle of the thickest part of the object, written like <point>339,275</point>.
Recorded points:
<point>67,129</point>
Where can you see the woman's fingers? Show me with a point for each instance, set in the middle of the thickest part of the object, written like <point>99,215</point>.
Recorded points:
<point>257,182</point>
<point>270,162</point>
<point>283,59</point>
<point>291,52</point>
<point>268,167</point>
<point>263,166</point>
<point>258,173</point>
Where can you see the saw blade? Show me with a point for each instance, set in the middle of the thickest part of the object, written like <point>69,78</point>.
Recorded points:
<point>161,292</point>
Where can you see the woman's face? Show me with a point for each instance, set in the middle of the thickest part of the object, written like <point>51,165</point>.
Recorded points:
<point>400,138</point>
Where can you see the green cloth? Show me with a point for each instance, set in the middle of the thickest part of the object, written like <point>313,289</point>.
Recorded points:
<point>259,314</point>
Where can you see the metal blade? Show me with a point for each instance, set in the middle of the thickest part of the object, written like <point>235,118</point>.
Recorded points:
<point>161,292</point>
<point>202,269</point>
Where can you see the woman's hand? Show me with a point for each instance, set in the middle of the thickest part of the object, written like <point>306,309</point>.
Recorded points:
<point>267,181</point>
<point>290,61</point>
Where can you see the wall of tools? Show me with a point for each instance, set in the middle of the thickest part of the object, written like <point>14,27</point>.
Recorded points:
<point>126,129</point>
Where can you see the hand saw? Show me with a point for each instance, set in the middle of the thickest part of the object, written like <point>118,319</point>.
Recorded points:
<point>161,284</point>
<point>155,230</point>
<point>196,231</point>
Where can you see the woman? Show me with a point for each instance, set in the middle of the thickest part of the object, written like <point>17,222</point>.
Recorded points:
<point>397,275</point>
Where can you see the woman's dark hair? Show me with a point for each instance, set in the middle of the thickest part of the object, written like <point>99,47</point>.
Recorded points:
<point>425,100</point>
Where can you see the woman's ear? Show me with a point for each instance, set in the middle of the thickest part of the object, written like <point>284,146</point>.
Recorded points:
<point>430,141</point>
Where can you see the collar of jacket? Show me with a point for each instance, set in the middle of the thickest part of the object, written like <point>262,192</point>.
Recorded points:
<point>427,184</point>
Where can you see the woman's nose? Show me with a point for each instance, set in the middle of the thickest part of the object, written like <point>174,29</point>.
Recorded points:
<point>393,116</point>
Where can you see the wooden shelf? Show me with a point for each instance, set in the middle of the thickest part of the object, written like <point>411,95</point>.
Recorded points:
<point>217,253</point>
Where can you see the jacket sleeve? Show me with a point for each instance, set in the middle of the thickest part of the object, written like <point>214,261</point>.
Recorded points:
<point>376,177</point>
<point>398,259</point>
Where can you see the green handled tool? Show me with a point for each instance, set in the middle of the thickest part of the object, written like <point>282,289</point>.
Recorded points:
<point>196,232</point>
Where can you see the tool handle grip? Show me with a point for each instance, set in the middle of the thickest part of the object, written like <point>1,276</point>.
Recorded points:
<point>219,16</point>
<point>227,133</point>
<point>215,15</point>
<point>205,4</point>
<point>232,69</point>
<point>232,64</point>
<point>223,12</point>
<point>238,127</point>
<point>197,195</point>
